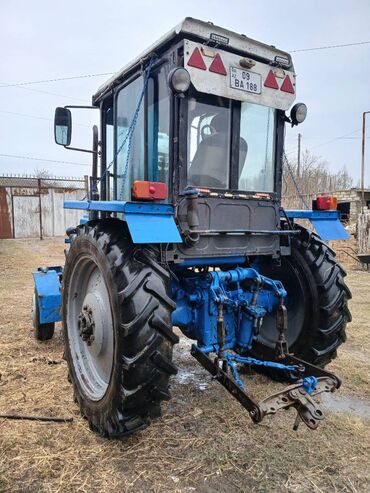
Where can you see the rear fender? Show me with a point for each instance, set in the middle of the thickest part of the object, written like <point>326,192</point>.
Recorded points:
<point>48,289</point>
<point>326,223</point>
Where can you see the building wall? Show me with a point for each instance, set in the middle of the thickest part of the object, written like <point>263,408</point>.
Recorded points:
<point>353,196</point>
<point>20,211</point>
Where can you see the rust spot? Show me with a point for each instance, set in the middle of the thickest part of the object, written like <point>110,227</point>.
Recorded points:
<point>5,216</point>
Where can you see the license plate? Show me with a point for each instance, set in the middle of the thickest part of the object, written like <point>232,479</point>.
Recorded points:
<point>245,80</point>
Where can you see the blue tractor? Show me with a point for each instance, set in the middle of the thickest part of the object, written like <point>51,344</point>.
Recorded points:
<point>183,227</point>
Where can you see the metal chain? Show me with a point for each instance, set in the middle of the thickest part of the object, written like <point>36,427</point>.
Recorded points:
<point>132,126</point>
<point>130,130</point>
<point>232,359</point>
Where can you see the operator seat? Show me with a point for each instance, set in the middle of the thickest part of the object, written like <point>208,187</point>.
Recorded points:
<point>211,159</point>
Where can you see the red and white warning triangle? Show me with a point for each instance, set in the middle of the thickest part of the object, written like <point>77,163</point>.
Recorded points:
<point>271,81</point>
<point>196,60</point>
<point>287,85</point>
<point>217,66</point>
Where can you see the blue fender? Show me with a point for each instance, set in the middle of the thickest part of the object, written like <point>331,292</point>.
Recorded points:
<point>147,222</point>
<point>48,290</point>
<point>326,223</point>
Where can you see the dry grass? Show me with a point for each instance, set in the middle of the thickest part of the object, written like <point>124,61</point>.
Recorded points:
<point>204,442</point>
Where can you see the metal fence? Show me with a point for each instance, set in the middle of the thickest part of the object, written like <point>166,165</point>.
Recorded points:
<point>33,207</point>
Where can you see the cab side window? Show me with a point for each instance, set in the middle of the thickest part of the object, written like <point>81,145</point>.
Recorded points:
<point>129,167</point>
<point>158,126</point>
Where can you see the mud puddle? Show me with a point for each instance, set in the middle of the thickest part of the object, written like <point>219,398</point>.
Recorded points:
<point>346,404</point>
<point>189,371</point>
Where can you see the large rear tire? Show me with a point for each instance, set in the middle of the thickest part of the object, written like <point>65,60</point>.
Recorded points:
<point>317,301</point>
<point>117,328</point>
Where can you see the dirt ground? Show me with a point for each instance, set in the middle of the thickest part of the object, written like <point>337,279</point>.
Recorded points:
<point>204,442</point>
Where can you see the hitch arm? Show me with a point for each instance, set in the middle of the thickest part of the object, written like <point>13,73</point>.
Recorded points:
<point>219,374</point>
<point>297,395</point>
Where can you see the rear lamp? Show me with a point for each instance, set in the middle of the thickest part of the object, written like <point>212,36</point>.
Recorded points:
<point>298,113</point>
<point>325,203</point>
<point>283,60</point>
<point>149,190</point>
<point>179,80</point>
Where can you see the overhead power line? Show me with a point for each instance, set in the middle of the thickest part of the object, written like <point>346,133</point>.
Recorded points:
<point>42,159</point>
<point>50,93</point>
<point>339,137</point>
<point>54,94</point>
<point>105,74</point>
<point>57,79</point>
<point>329,47</point>
<point>39,117</point>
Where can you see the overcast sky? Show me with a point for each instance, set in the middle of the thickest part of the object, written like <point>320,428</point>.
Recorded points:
<point>42,39</point>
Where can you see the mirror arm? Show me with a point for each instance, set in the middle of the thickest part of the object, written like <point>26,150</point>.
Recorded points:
<point>76,106</point>
<point>81,150</point>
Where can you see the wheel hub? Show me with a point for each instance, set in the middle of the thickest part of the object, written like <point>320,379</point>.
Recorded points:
<point>92,323</point>
<point>86,324</point>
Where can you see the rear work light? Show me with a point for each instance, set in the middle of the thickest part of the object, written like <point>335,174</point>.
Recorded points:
<point>149,190</point>
<point>325,203</point>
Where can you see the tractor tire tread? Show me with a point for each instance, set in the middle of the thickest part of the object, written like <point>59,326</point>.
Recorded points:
<point>145,337</point>
<point>333,297</point>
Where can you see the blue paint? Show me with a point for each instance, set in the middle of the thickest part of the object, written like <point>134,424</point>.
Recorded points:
<point>330,230</point>
<point>216,261</point>
<point>232,359</point>
<point>147,222</point>
<point>119,206</point>
<point>309,384</point>
<point>153,228</point>
<point>84,219</point>
<point>48,287</point>
<point>246,297</point>
<point>309,214</point>
<point>326,223</point>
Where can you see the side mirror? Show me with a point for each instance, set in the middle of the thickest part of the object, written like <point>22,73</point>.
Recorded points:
<point>62,126</point>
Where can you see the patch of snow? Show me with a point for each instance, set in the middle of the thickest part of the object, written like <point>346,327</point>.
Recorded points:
<point>189,370</point>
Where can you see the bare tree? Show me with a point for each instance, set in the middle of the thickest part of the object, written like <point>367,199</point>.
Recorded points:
<point>314,178</point>
<point>42,173</point>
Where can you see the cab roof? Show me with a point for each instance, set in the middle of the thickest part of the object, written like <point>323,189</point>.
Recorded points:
<point>207,33</point>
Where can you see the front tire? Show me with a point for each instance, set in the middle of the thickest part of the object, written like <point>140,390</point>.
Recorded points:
<point>117,328</point>
<point>317,301</point>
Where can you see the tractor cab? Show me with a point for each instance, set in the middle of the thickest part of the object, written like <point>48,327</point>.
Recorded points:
<point>202,112</point>
<point>186,229</point>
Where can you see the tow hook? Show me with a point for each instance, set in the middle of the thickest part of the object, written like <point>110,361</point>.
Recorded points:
<point>308,410</point>
<point>301,395</point>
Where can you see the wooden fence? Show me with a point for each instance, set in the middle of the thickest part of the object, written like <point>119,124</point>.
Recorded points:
<point>33,207</point>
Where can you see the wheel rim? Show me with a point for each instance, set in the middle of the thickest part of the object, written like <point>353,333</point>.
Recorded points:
<point>295,302</point>
<point>90,328</point>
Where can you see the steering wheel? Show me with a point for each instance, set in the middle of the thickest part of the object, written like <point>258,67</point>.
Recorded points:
<point>206,131</point>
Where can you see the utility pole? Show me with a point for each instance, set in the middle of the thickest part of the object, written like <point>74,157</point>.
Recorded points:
<point>299,156</point>
<point>363,162</point>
